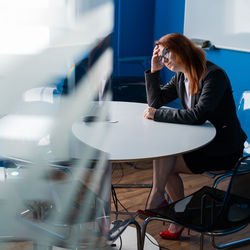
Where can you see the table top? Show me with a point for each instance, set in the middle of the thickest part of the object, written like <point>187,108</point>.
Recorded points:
<point>131,137</point>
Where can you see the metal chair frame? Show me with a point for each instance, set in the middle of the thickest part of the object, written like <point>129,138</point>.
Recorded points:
<point>121,227</point>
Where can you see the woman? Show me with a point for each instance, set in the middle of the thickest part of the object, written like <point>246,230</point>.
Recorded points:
<point>205,93</point>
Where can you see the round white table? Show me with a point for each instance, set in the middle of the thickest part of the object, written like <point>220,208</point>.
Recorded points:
<point>131,137</point>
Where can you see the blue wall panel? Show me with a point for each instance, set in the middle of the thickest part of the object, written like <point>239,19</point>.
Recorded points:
<point>237,65</point>
<point>169,18</point>
<point>136,26</point>
<point>133,38</point>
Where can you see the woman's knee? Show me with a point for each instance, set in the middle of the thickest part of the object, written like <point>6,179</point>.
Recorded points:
<point>164,161</point>
<point>180,166</point>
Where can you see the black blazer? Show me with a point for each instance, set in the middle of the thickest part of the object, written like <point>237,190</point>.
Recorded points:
<point>213,102</point>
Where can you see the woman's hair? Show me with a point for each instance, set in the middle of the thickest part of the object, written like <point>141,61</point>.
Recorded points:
<point>189,55</point>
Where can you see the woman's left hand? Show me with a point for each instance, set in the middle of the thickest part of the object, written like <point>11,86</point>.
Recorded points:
<point>149,113</point>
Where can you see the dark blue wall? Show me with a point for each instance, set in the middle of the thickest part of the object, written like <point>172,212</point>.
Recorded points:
<point>169,18</point>
<point>133,36</point>
<point>237,65</point>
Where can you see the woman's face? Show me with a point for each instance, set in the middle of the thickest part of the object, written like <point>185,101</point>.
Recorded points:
<point>171,62</point>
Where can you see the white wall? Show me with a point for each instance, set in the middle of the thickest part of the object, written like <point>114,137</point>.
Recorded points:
<point>226,23</point>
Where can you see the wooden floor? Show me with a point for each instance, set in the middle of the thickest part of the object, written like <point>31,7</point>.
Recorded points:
<point>133,199</point>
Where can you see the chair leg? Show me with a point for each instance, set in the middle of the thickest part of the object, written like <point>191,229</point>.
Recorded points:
<point>201,241</point>
<point>138,231</point>
<point>143,232</point>
<point>233,244</point>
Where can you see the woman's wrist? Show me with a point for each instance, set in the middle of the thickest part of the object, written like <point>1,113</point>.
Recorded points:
<point>153,70</point>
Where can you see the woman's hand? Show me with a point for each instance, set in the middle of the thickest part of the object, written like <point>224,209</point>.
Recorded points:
<point>149,113</point>
<point>155,66</point>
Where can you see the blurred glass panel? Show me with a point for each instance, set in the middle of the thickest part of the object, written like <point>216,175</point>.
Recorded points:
<point>54,191</point>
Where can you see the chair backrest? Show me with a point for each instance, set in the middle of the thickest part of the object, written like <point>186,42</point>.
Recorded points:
<point>237,198</point>
<point>244,117</point>
<point>240,184</point>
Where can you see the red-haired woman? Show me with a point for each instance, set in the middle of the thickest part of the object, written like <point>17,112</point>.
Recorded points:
<point>205,93</point>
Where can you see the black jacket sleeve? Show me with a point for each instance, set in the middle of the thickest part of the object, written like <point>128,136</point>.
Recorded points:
<point>157,96</point>
<point>204,103</point>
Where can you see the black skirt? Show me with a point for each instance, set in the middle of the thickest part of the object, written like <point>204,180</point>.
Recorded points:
<point>199,162</point>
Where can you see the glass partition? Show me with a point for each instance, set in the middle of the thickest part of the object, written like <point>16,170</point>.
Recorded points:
<point>56,59</point>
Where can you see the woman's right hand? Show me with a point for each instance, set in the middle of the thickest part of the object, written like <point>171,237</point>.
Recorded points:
<point>155,66</point>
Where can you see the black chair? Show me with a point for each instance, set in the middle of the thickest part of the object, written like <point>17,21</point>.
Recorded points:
<point>129,89</point>
<point>213,211</point>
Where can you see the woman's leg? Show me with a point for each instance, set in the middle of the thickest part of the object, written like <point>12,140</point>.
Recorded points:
<point>174,186</point>
<point>166,177</point>
<point>161,171</point>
